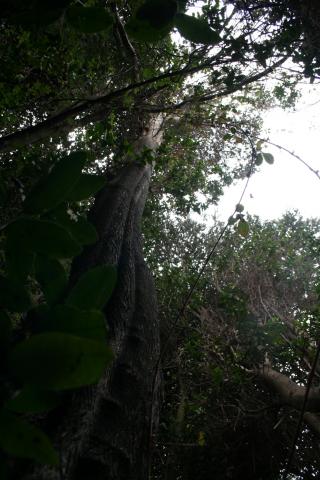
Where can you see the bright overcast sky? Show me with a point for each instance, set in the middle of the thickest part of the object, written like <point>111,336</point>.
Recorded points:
<point>287,184</point>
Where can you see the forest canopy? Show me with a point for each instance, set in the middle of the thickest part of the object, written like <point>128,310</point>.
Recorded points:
<point>136,342</point>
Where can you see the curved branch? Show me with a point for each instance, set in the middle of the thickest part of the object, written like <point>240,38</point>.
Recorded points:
<point>289,392</point>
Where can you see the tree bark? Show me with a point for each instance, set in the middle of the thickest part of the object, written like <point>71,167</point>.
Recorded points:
<point>289,392</point>
<point>104,433</point>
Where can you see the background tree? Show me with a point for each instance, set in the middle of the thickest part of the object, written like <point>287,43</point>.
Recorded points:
<point>238,362</point>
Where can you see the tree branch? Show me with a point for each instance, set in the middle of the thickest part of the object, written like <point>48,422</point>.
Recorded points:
<point>223,93</point>
<point>289,392</point>
<point>64,121</point>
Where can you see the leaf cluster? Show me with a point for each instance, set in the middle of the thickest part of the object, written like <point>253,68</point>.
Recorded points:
<point>59,342</point>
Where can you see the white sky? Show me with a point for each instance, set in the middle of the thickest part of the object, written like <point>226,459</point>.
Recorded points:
<point>287,184</point>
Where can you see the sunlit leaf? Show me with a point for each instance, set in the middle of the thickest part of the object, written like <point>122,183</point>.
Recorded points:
<point>243,228</point>
<point>201,439</point>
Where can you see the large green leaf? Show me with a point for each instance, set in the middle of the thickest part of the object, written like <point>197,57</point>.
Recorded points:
<point>59,361</point>
<point>196,30</point>
<point>153,20</point>
<point>86,186</point>
<point>13,296</point>
<point>18,260</point>
<point>158,13</point>
<point>67,319</point>
<point>143,32</point>
<point>54,188</point>
<point>51,276</point>
<point>31,400</point>
<point>44,237</point>
<point>88,19</point>
<point>78,226</point>
<point>82,230</point>
<point>93,289</point>
<point>21,439</point>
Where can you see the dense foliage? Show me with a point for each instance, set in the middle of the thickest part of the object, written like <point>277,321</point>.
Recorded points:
<point>257,303</point>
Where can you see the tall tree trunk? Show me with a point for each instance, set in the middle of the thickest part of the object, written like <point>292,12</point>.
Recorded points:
<point>105,429</point>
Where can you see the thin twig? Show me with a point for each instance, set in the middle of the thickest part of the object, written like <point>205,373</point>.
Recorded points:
<point>280,147</point>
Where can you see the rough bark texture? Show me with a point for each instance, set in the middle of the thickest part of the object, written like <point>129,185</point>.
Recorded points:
<point>114,441</point>
<point>104,432</point>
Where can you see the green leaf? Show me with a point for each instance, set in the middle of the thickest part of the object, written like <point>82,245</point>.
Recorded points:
<point>152,21</point>
<point>30,400</point>
<point>239,207</point>
<point>231,220</point>
<point>21,439</point>
<point>93,289</point>
<point>268,158</point>
<point>259,144</point>
<point>196,30</point>
<point>158,13</point>
<point>86,186</point>
<point>259,159</point>
<point>67,319</point>
<point>59,361</point>
<point>51,276</point>
<point>44,237</point>
<point>54,188</point>
<point>243,228</point>
<point>18,260</point>
<point>13,296</point>
<point>79,228</point>
<point>88,19</point>
<point>144,32</point>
